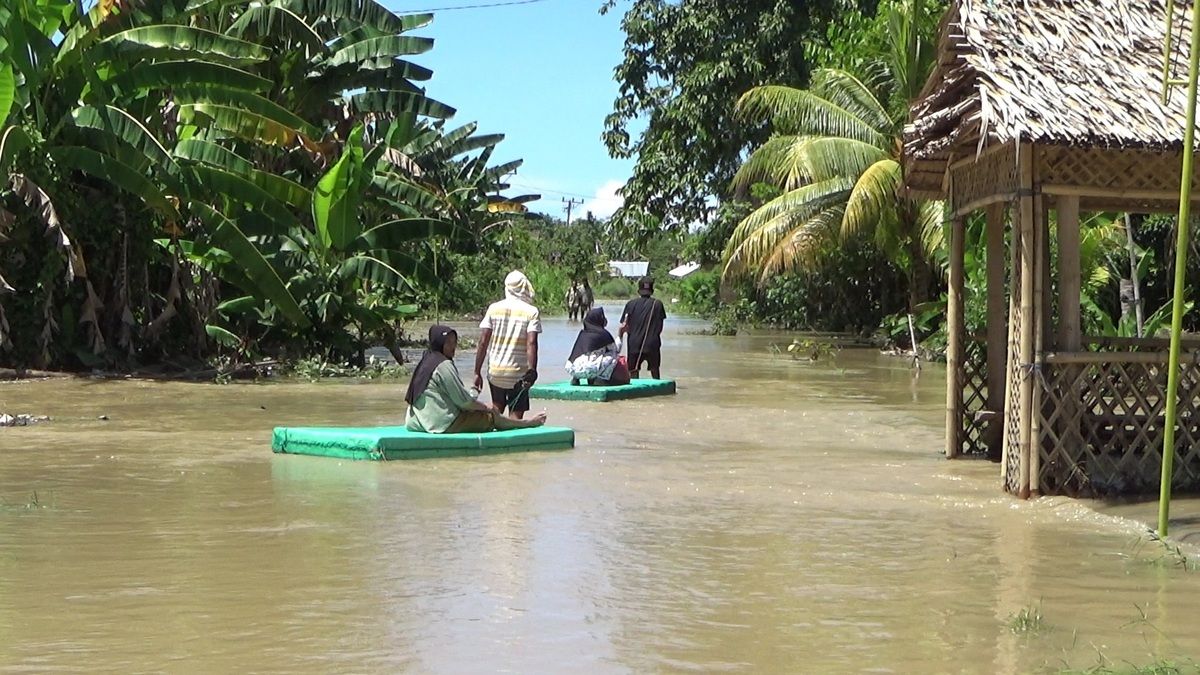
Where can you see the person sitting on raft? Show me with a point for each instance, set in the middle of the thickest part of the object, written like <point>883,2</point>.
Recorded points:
<point>438,403</point>
<point>594,356</point>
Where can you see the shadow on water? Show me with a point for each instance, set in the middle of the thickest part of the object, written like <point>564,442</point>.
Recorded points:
<point>773,516</point>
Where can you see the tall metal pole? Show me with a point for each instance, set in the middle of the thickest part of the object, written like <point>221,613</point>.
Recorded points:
<point>1181,243</point>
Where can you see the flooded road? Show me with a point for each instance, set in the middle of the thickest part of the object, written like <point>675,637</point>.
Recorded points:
<point>775,516</point>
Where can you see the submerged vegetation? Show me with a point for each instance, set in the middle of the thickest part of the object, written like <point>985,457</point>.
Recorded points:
<point>1028,621</point>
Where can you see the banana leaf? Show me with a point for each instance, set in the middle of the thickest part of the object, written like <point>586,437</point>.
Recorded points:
<point>390,46</point>
<point>107,168</point>
<point>174,39</point>
<point>149,75</point>
<point>266,282</point>
<point>392,102</point>
<point>339,192</point>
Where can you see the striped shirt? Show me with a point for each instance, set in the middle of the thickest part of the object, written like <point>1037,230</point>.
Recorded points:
<point>511,321</point>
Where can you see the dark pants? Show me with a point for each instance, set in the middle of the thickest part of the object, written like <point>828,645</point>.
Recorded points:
<point>515,400</point>
<point>653,360</point>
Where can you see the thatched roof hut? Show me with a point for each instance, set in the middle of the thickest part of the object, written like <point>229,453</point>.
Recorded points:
<point>1039,110</point>
<point>1049,72</point>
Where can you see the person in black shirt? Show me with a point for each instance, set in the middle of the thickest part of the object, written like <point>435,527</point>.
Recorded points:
<point>643,321</point>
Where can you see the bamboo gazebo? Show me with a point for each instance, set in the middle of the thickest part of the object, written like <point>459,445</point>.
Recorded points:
<point>1037,106</point>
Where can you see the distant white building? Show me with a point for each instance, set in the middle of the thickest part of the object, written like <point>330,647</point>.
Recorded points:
<point>684,270</point>
<point>629,270</point>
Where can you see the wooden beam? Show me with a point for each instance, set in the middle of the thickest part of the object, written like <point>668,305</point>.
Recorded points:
<point>1070,328</point>
<point>1110,194</point>
<point>982,202</point>
<point>997,326</point>
<point>954,341</point>
<point>1113,357</point>
<point>1027,243</point>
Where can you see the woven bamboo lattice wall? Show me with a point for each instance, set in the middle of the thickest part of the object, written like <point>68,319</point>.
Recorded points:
<point>1144,180</point>
<point>972,434</point>
<point>1102,426</point>
<point>994,173</point>
<point>1012,405</point>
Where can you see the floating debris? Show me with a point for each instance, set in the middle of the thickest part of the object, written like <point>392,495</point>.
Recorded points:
<point>22,420</point>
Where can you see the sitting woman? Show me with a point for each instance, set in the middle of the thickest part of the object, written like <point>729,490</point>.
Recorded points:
<point>595,355</point>
<point>438,403</point>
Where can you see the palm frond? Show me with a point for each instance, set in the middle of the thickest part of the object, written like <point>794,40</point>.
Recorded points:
<point>759,233</point>
<point>844,89</point>
<point>805,246</point>
<point>874,200</point>
<point>789,162</point>
<point>804,113</point>
<point>931,215</point>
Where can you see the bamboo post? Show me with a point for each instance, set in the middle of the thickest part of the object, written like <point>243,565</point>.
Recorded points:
<point>1070,327</point>
<point>1041,297</point>
<point>1028,309</point>
<point>1070,331</point>
<point>997,328</point>
<point>1181,244</point>
<point>954,341</point>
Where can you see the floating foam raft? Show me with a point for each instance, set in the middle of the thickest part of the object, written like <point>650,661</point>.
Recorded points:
<point>379,443</point>
<point>564,391</point>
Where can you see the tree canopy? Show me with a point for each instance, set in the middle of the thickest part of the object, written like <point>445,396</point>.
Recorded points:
<point>684,65</point>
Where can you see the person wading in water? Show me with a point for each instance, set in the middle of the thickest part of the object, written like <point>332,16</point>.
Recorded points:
<point>643,321</point>
<point>509,343</point>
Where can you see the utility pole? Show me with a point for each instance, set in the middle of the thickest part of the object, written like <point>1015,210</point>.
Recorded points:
<point>569,203</point>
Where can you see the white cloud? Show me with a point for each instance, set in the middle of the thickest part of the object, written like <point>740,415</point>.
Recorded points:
<point>605,201</point>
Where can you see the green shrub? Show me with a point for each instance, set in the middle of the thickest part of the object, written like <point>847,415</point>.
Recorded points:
<point>616,287</point>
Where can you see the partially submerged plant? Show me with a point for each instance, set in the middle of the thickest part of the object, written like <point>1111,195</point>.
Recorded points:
<point>1028,621</point>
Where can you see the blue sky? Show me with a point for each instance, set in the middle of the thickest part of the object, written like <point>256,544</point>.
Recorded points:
<point>541,74</point>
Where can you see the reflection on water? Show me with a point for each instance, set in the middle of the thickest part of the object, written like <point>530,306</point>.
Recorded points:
<point>774,516</point>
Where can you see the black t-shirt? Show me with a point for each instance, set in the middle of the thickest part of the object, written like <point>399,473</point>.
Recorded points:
<point>643,318</point>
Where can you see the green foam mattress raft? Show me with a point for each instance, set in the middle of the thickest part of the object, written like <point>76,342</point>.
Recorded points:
<point>388,443</point>
<point>565,391</point>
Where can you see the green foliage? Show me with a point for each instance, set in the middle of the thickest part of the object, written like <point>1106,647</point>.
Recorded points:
<point>700,292</point>
<point>1028,621</point>
<point>616,287</point>
<point>163,158</point>
<point>684,65</point>
<point>726,321</point>
<point>836,157</point>
<point>811,350</point>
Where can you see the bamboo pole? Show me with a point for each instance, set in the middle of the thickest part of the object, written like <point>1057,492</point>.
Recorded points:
<point>1029,315</point>
<point>954,341</point>
<point>1070,331</point>
<point>1181,244</point>
<point>1041,295</point>
<point>997,327</point>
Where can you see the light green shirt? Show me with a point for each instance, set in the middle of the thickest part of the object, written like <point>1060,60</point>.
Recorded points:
<point>441,403</point>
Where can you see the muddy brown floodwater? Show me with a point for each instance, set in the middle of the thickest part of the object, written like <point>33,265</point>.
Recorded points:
<point>773,517</point>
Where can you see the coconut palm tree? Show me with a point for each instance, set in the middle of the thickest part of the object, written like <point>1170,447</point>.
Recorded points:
<point>836,156</point>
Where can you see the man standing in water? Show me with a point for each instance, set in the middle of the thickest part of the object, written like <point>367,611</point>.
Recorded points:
<point>509,342</point>
<point>588,299</point>
<point>572,301</point>
<point>643,320</point>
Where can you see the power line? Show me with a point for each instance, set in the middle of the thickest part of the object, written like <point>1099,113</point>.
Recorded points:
<point>557,192</point>
<point>481,6</point>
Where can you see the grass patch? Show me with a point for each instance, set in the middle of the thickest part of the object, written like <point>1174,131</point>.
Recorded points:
<point>1028,621</point>
<point>1156,667</point>
<point>31,504</point>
